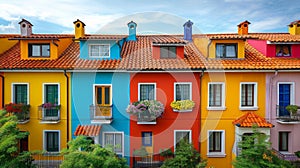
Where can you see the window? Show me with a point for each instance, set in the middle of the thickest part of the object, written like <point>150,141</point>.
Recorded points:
<point>23,144</point>
<point>20,93</point>
<point>226,50</point>
<point>51,95</point>
<point>283,141</point>
<point>167,52</point>
<point>283,50</point>
<point>147,138</point>
<point>182,135</point>
<point>39,50</point>
<point>114,139</point>
<point>51,141</point>
<point>103,95</point>
<point>99,50</point>
<point>183,91</point>
<point>248,96</point>
<point>216,142</point>
<point>147,91</point>
<point>285,91</point>
<point>216,95</point>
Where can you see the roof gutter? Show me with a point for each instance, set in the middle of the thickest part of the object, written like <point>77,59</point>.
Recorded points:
<point>2,103</point>
<point>67,78</point>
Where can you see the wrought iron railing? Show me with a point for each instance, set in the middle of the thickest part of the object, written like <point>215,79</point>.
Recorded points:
<point>99,112</point>
<point>286,155</point>
<point>49,113</point>
<point>284,116</point>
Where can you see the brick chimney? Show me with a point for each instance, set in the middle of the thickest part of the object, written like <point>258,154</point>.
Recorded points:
<point>294,27</point>
<point>79,29</point>
<point>188,33</point>
<point>25,27</point>
<point>243,28</point>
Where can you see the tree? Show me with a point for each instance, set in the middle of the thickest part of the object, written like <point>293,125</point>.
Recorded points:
<point>85,154</point>
<point>256,153</point>
<point>185,156</point>
<point>9,138</point>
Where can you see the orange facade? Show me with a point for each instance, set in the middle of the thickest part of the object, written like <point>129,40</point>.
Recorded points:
<point>163,131</point>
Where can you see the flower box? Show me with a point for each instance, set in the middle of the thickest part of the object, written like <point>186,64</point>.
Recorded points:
<point>21,111</point>
<point>182,105</point>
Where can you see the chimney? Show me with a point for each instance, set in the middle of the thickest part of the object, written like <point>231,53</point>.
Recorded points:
<point>188,31</point>
<point>294,27</point>
<point>25,27</point>
<point>243,28</point>
<point>79,29</point>
<point>132,31</point>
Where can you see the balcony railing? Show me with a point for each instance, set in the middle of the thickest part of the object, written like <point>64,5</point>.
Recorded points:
<point>21,111</point>
<point>286,155</point>
<point>49,114</point>
<point>284,117</point>
<point>101,114</point>
<point>148,161</point>
<point>143,118</point>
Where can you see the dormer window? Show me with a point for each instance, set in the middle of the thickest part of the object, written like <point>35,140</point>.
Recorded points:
<point>227,50</point>
<point>167,52</point>
<point>99,50</point>
<point>39,50</point>
<point>283,50</point>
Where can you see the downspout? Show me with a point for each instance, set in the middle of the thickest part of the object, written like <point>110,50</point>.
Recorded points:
<point>270,95</point>
<point>200,117</point>
<point>67,77</point>
<point>207,52</point>
<point>2,103</point>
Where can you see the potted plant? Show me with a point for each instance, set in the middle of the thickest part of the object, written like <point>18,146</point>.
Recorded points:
<point>18,109</point>
<point>146,110</point>
<point>166,153</point>
<point>292,109</point>
<point>142,152</point>
<point>50,105</point>
<point>182,105</point>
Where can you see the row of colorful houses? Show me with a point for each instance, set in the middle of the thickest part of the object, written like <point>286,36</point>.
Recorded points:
<point>82,84</point>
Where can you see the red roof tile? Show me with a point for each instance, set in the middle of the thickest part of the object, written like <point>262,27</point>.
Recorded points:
<point>250,119</point>
<point>42,36</point>
<point>102,37</point>
<point>276,37</point>
<point>88,130</point>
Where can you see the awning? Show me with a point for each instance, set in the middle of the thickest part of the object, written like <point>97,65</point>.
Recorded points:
<point>88,130</point>
<point>250,119</point>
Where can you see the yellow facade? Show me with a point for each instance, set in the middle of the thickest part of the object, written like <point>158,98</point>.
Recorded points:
<point>56,48</point>
<point>6,44</point>
<point>222,119</point>
<point>35,81</point>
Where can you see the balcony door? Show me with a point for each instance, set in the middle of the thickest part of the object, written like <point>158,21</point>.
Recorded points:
<point>285,97</point>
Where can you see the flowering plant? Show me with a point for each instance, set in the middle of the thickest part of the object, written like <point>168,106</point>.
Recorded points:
<point>16,107</point>
<point>153,107</point>
<point>182,104</point>
<point>49,105</point>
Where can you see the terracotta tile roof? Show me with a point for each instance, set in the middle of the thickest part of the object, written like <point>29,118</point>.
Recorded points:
<point>137,55</point>
<point>249,119</point>
<point>276,37</point>
<point>8,35</point>
<point>102,37</point>
<point>87,130</point>
<point>42,36</point>
<point>167,39</point>
<point>226,36</point>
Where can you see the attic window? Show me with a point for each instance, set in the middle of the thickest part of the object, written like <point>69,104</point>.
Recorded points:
<point>99,50</point>
<point>167,52</point>
<point>78,25</point>
<point>228,50</point>
<point>283,50</point>
<point>39,50</point>
<point>23,25</point>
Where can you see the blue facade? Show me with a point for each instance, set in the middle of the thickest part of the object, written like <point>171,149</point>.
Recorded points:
<point>83,84</point>
<point>115,48</point>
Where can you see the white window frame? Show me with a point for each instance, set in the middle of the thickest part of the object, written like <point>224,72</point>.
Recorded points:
<point>254,107</point>
<point>44,140</point>
<point>13,91</point>
<point>94,93</point>
<point>58,88</point>
<point>99,56</point>
<point>216,154</point>
<point>111,132</point>
<point>189,83</point>
<point>292,96</point>
<point>190,136</point>
<point>222,107</point>
<point>139,84</point>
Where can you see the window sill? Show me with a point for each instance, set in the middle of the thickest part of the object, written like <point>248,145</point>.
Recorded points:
<point>51,153</point>
<point>216,155</point>
<point>216,108</point>
<point>248,108</point>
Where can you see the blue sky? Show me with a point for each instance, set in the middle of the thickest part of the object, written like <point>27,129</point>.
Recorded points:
<point>151,16</point>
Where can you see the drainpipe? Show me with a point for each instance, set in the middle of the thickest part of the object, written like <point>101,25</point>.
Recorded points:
<point>200,92</point>
<point>67,77</point>
<point>270,95</point>
<point>207,52</point>
<point>2,90</point>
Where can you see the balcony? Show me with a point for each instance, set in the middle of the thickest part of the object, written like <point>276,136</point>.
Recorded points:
<point>283,116</point>
<point>49,113</point>
<point>151,160</point>
<point>21,111</point>
<point>286,155</point>
<point>144,118</point>
<point>101,114</point>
